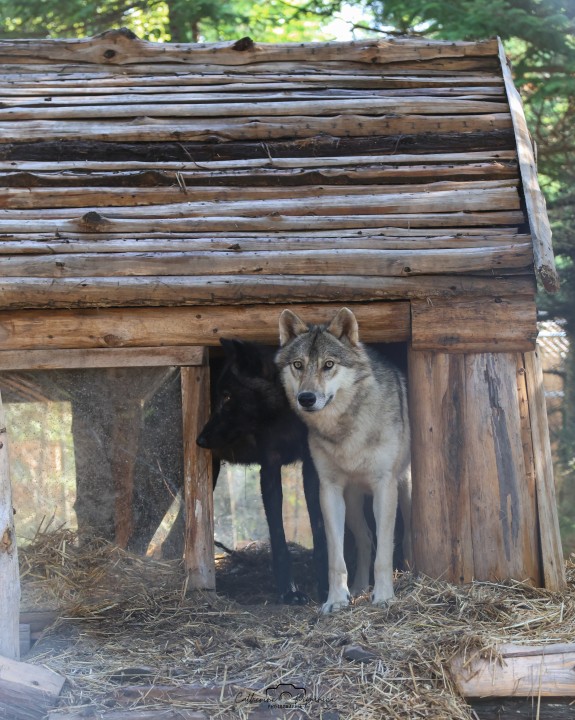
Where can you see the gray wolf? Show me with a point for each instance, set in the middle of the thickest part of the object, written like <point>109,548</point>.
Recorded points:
<point>354,404</point>
<point>252,423</point>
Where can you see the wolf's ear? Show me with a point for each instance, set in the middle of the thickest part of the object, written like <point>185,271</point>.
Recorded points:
<point>344,326</point>
<point>290,326</point>
<point>245,355</point>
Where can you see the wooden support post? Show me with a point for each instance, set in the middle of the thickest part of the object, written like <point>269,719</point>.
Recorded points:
<point>474,503</point>
<point>198,482</point>
<point>9,570</point>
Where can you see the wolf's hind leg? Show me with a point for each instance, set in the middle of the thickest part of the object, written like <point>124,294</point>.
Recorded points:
<point>357,523</point>
<point>384,509</point>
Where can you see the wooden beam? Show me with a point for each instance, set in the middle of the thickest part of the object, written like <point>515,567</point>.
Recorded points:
<point>9,570</point>
<point>178,326</point>
<point>489,324</point>
<point>199,562</point>
<point>534,199</point>
<point>53,358</point>
<point>165,291</point>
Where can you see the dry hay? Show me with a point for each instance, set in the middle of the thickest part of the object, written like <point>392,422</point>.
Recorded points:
<point>125,620</point>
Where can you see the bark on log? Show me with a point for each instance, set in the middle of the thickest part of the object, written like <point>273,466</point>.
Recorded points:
<point>200,152</point>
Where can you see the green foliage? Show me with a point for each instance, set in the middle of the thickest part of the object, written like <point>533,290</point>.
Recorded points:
<point>162,20</point>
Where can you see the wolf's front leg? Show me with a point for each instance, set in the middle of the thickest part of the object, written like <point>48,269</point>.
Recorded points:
<point>333,510</point>
<point>384,509</point>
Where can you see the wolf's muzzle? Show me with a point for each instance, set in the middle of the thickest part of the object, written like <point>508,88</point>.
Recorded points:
<point>307,400</point>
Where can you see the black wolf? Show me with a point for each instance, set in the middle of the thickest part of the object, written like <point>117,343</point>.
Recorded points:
<point>252,423</point>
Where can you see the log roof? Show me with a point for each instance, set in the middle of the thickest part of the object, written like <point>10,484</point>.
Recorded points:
<point>147,174</point>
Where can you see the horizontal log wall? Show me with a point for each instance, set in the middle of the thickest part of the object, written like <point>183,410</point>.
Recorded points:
<point>140,174</point>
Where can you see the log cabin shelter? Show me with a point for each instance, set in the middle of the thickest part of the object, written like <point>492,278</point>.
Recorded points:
<point>157,197</point>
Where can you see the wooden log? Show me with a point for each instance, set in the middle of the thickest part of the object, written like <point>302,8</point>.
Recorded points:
<point>53,358</point>
<point>181,194</point>
<point>419,105</point>
<point>170,149</point>
<point>27,692</point>
<point>274,164</point>
<point>268,224</point>
<point>348,262</point>
<point>474,514</point>
<point>155,242</point>
<point>224,130</point>
<point>474,325</point>
<point>153,291</point>
<point>550,538</point>
<point>120,47</point>
<point>199,560</point>
<point>546,671</point>
<point>522,708</point>
<point>150,328</point>
<point>9,570</point>
<point>534,200</point>
<point>242,92</point>
<point>27,83</point>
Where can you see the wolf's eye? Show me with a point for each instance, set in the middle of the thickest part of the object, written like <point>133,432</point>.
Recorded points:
<point>298,364</point>
<point>328,364</point>
<point>226,396</point>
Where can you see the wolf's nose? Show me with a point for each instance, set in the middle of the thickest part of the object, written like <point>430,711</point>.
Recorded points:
<point>202,441</point>
<point>306,399</point>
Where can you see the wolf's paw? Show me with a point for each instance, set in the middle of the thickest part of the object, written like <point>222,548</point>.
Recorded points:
<point>295,597</point>
<point>334,604</point>
<point>382,599</point>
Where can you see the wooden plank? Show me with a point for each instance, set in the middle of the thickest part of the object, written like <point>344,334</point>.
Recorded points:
<point>332,261</point>
<point>54,358</point>
<point>27,692</point>
<point>534,199</point>
<point>179,326</point>
<point>153,291</point>
<point>489,324</point>
<point>441,513</point>
<point>9,570</point>
<point>199,561</point>
<point>548,520</point>
<point>474,517</point>
<point>503,507</point>
<point>547,674</point>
